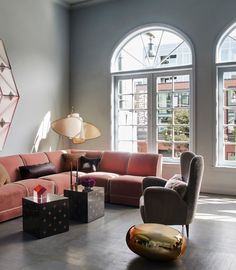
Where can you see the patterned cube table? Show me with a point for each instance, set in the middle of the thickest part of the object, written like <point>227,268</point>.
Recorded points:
<point>46,218</point>
<point>85,206</point>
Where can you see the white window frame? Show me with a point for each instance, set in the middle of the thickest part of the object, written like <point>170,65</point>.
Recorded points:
<point>220,69</point>
<point>151,74</point>
<point>151,79</point>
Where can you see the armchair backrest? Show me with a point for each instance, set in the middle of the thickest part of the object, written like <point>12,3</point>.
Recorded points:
<point>194,184</point>
<point>185,161</point>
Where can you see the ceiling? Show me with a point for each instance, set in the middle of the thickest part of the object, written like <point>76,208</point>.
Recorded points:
<point>74,2</point>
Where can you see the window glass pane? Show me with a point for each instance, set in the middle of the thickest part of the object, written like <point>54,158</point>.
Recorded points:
<point>181,116</point>
<point>140,86</point>
<point>125,87</point>
<point>142,117</point>
<point>227,49</point>
<point>165,149</point>
<point>125,102</point>
<point>164,84</point>
<point>125,132</point>
<point>181,133</point>
<point>142,147</point>
<point>230,133</point>
<point>229,153</point>
<point>180,148</point>
<point>164,116</point>
<point>142,133</point>
<point>164,133</point>
<point>140,101</point>
<point>229,116</point>
<point>126,146</point>
<point>125,118</point>
<point>164,100</point>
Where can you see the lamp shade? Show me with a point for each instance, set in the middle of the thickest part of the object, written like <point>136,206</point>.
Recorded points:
<point>69,126</point>
<point>88,132</point>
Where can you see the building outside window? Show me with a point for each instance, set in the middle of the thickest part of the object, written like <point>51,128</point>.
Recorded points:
<point>226,98</point>
<point>152,97</point>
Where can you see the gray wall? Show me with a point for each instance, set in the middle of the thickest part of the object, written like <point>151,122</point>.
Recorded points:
<point>96,30</point>
<point>36,37</point>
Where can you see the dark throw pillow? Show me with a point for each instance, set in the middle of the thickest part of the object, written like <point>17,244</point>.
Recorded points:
<point>35,171</point>
<point>177,185</point>
<point>88,164</point>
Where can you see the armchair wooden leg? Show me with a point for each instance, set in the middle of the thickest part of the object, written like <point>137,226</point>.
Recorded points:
<point>187,230</point>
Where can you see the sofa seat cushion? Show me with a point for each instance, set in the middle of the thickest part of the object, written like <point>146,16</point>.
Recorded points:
<point>126,189</point>
<point>30,184</point>
<point>102,180</point>
<point>11,201</point>
<point>115,162</point>
<point>61,181</point>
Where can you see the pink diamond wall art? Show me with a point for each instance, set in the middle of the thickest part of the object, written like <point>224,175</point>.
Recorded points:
<point>9,95</point>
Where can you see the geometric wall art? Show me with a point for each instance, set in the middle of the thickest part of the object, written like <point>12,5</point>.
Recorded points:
<point>9,95</point>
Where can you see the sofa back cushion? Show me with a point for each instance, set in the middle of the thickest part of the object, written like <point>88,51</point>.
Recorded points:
<point>55,157</point>
<point>88,153</point>
<point>34,158</point>
<point>72,160</point>
<point>12,164</point>
<point>145,164</point>
<point>115,162</point>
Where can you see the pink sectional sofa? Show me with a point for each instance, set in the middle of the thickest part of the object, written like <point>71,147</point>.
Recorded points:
<point>120,173</point>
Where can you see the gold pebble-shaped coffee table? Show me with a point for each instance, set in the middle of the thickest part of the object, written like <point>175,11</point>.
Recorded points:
<point>156,241</point>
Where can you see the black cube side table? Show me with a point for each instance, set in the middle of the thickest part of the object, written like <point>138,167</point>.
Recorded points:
<point>85,206</point>
<point>42,219</point>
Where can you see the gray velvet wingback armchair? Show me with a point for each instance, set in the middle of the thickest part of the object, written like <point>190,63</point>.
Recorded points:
<point>159,204</point>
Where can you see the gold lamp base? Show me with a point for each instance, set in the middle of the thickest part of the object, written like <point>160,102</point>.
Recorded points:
<point>156,241</point>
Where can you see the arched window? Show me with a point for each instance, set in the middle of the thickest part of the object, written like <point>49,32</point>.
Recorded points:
<point>226,98</point>
<point>152,86</point>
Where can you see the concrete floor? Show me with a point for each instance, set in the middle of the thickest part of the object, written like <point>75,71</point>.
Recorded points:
<point>101,244</point>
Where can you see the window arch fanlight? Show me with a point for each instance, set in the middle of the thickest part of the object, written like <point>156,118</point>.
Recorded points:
<point>226,46</point>
<point>152,47</point>
<point>226,98</point>
<point>152,92</point>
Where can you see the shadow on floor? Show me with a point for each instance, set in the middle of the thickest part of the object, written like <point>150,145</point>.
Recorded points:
<point>140,263</point>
